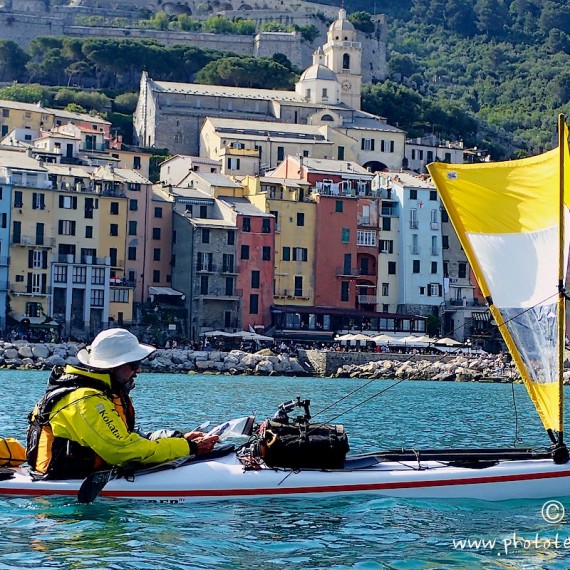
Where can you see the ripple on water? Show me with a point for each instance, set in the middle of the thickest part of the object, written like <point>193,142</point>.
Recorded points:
<point>362,533</point>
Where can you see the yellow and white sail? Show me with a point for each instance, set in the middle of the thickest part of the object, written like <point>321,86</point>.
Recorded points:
<point>507,217</point>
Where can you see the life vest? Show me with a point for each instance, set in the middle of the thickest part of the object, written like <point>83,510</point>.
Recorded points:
<point>57,457</point>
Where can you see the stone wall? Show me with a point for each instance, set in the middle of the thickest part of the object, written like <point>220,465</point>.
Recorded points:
<point>327,363</point>
<point>22,22</point>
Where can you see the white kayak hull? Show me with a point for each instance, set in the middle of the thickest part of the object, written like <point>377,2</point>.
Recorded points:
<point>225,479</point>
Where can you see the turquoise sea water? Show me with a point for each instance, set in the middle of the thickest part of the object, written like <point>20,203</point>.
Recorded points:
<point>358,532</point>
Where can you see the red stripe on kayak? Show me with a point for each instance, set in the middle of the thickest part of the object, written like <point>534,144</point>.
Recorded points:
<point>292,490</point>
<point>336,488</point>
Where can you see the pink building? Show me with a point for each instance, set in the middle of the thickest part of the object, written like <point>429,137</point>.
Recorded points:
<point>256,261</point>
<point>336,269</point>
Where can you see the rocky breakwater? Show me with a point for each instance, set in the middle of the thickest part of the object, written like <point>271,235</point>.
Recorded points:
<point>487,368</point>
<point>263,363</point>
<point>44,356</point>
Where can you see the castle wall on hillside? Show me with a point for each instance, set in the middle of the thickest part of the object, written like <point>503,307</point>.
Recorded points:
<point>24,20</point>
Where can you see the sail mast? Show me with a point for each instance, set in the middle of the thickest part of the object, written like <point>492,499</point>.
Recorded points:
<point>561,291</point>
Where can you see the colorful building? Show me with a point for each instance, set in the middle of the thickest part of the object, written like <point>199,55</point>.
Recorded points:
<point>256,260</point>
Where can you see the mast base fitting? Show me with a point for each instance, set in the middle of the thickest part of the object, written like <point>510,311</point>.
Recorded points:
<point>560,454</point>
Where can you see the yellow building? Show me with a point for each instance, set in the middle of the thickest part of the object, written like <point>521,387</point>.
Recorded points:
<point>295,219</point>
<point>15,115</point>
<point>67,246</point>
<point>31,236</point>
<point>253,147</point>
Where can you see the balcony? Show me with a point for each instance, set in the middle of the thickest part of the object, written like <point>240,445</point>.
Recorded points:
<point>348,272</point>
<point>221,294</point>
<point>22,289</point>
<point>69,258</point>
<point>217,268</point>
<point>231,151</point>
<point>293,294</point>
<point>387,211</point>
<point>367,299</point>
<point>345,44</point>
<point>434,225</point>
<point>33,241</point>
<point>87,146</point>
<point>414,224</point>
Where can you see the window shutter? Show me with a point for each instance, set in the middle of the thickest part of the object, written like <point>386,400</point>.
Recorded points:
<point>61,201</point>
<point>439,290</point>
<point>29,285</point>
<point>74,202</point>
<point>371,144</point>
<point>34,200</point>
<point>44,259</point>
<point>44,283</point>
<point>60,226</point>
<point>429,290</point>
<point>30,259</point>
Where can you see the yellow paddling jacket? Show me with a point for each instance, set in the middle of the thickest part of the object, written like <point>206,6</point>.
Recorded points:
<point>81,425</point>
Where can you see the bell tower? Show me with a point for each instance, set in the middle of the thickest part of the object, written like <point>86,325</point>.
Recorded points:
<point>343,54</point>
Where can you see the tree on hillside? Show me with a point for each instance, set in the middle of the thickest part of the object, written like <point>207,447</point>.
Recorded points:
<point>26,94</point>
<point>246,72</point>
<point>13,60</point>
<point>362,21</point>
<point>491,17</point>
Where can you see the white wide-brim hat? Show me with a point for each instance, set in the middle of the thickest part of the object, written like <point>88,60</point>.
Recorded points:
<point>114,347</point>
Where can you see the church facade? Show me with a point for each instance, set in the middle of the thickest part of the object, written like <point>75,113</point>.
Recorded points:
<point>170,115</point>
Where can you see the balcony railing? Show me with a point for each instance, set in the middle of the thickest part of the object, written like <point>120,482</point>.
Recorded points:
<point>70,259</point>
<point>22,289</point>
<point>254,152</point>
<point>221,293</point>
<point>33,241</point>
<point>367,299</point>
<point>347,271</point>
<point>414,224</point>
<point>293,293</point>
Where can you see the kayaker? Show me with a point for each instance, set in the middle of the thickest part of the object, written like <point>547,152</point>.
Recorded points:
<point>86,420</point>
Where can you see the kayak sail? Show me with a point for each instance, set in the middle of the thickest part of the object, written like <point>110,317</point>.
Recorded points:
<point>510,220</point>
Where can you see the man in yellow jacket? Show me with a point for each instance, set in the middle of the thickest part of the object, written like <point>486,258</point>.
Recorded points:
<point>86,421</point>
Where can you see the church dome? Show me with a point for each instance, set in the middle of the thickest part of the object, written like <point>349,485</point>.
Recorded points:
<point>342,24</point>
<point>318,71</point>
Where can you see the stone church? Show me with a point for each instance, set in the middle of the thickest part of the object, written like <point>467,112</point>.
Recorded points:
<point>170,115</point>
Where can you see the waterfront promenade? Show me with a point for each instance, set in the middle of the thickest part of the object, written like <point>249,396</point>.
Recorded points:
<point>300,362</point>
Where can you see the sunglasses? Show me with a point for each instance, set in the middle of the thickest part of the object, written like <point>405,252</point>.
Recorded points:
<point>134,365</point>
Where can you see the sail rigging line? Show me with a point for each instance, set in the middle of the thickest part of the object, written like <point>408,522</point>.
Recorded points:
<point>517,439</point>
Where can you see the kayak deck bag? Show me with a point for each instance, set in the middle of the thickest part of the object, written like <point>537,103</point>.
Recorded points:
<point>302,445</point>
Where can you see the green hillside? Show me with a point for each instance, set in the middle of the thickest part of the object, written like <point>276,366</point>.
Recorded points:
<point>505,62</point>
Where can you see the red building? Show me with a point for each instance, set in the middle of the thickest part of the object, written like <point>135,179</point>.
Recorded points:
<point>255,247</point>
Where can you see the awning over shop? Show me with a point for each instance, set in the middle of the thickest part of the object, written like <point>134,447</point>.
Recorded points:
<point>34,322</point>
<point>164,291</point>
<point>481,316</point>
<point>305,335</point>
<point>173,294</point>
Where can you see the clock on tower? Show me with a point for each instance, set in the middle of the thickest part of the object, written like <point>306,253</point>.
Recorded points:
<point>346,85</point>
